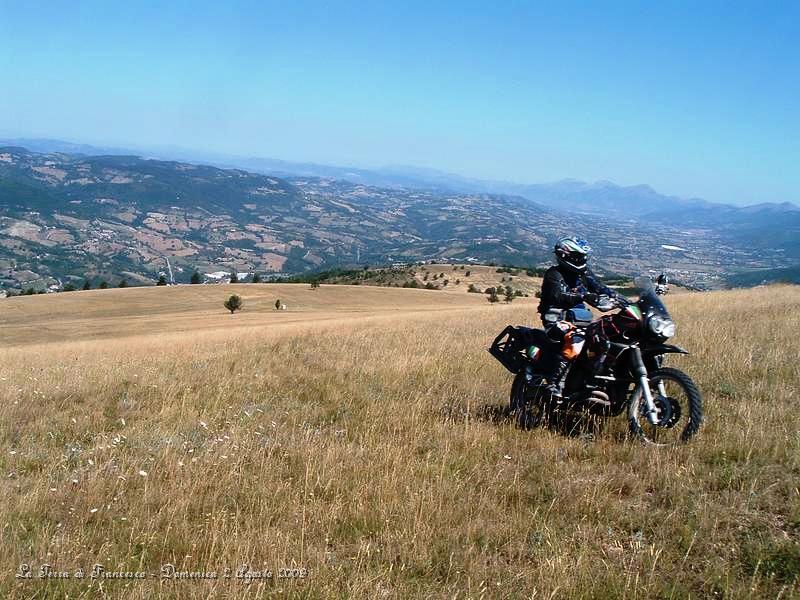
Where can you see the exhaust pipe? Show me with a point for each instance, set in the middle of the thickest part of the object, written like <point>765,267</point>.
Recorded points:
<point>599,398</point>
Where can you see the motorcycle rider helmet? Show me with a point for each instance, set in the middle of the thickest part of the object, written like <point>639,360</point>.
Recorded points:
<point>572,253</point>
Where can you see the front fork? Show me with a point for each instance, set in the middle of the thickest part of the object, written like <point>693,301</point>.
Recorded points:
<point>641,372</point>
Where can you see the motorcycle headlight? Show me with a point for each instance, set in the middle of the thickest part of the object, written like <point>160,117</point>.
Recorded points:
<point>661,326</point>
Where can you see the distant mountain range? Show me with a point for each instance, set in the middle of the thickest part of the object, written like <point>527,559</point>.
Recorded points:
<point>68,216</point>
<point>570,195</point>
<point>66,213</point>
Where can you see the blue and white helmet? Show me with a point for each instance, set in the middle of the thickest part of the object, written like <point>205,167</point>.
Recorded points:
<point>572,253</point>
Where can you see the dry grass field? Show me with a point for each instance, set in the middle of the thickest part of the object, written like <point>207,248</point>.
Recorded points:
<point>115,313</point>
<point>357,439</point>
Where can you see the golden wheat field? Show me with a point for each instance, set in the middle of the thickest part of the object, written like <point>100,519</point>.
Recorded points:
<point>353,446</point>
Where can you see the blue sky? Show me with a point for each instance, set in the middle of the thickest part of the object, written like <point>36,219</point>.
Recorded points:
<point>696,99</point>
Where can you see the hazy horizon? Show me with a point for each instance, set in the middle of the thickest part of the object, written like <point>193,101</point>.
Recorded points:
<point>175,152</point>
<point>693,101</point>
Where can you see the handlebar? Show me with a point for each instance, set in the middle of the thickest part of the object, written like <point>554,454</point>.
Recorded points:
<point>607,303</point>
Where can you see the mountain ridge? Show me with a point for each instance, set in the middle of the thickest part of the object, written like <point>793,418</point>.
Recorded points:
<point>68,215</point>
<point>571,195</point>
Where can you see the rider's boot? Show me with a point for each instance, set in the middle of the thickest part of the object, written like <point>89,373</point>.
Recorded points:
<point>558,377</point>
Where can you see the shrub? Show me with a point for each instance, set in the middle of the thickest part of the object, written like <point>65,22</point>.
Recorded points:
<point>161,280</point>
<point>195,278</point>
<point>234,303</point>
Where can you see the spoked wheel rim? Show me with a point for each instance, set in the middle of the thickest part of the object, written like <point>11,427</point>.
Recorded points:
<point>679,409</point>
<point>527,404</point>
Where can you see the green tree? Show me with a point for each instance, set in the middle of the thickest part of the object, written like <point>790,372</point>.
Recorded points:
<point>234,277</point>
<point>123,283</point>
<point>278,304</point>
<point>87,284</point>
<point>161,280</point>
<point>256,278</point>
<point>233,303</point>
<point>195,278</point>
<point>104,284</point>
<point>509,296</point>
<point>493,296</point>
<point>467,274</point>
<point>69,287</point>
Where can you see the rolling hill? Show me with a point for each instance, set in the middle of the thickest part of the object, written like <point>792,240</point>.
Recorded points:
<point>69,217</point>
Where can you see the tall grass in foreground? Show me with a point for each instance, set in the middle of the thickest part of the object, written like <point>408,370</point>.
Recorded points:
<point>366,454</point>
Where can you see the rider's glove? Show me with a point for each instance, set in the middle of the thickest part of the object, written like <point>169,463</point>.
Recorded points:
<point>591,298</point>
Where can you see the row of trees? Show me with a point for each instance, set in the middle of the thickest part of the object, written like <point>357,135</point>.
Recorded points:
<point>123,283</point>
<point>508,294</point>
<point>87,285</point>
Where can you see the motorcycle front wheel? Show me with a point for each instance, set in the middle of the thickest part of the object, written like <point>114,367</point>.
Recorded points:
<point>679,405</point>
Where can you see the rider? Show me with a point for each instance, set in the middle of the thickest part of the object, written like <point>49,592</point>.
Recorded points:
<point>662,284</point>
<point>566,286</point>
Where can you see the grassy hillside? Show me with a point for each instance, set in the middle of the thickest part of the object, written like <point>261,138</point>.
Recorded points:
<point>440,276</point>
<point>116,313</point>
<point>369,449</point>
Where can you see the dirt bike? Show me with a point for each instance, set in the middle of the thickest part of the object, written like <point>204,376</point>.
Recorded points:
<point>620,369</point>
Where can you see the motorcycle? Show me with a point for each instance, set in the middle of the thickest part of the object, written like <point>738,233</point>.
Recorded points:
<point>620,369</point>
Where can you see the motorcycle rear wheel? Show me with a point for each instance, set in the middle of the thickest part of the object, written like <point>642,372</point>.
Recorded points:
<point>680,410</point>
<point>528,402</point>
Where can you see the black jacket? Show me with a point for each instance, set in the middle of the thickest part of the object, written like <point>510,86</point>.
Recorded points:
<point>566,289</point>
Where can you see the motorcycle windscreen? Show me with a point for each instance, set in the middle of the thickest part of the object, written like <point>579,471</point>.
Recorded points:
<point>649,301</point>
